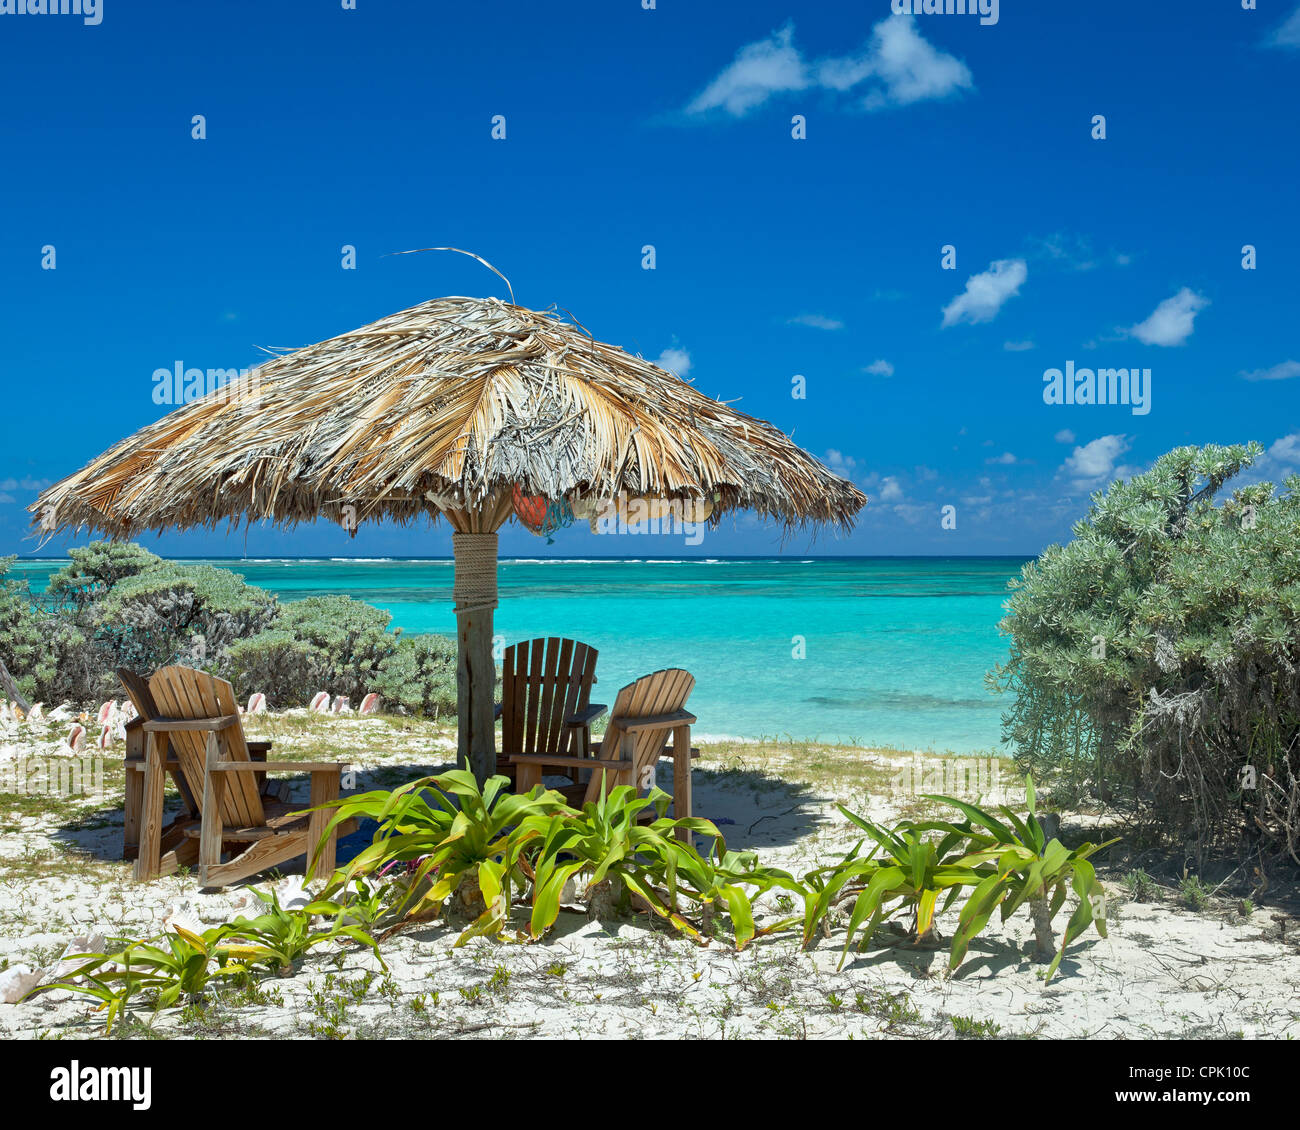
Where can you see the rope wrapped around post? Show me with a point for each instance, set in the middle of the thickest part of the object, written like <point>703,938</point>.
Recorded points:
<point>475,583</point>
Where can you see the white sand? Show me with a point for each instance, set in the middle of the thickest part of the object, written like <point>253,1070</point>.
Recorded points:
<point>1163,972</point>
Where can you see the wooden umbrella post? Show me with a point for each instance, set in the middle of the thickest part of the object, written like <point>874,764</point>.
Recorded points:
<point>475,590</point>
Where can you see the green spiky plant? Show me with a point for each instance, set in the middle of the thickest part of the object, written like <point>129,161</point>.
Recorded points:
<point>280,938</point>
<point>174,968</point>
<point>911,874</point>
<point>619,854</point>
<point>459,840</point>
<point>1030,868</point>
<point>724,878</point>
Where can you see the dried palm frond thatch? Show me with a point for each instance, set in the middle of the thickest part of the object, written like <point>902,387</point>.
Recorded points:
<point>444,408</point>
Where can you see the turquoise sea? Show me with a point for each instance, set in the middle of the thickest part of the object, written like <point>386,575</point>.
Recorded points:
<point>894,650</point>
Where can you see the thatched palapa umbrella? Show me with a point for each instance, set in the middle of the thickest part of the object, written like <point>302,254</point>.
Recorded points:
<point>468,408</point>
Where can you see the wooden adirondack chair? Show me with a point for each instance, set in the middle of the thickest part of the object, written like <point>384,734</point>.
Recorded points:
<point>172,836</point>
<point>545,699</point>
<point>644,716</point>
<point>197,713</point>
<point>137,690</point>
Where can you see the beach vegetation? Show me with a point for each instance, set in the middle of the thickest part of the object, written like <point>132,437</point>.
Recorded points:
<point>1193,893</point>
<point>94,569</point>
<point>1141,887</point>
<point>118,605</point>
<point>418,674</point>
<point>174,969</point>
<point>441,838</point>
<point>1029,868</point>
<point>443,846</point>
<point>1004,863</point>
<point>1153,657</point>
<point>179,967</point>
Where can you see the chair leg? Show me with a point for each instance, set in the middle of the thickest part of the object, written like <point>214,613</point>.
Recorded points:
<point>526,776</point>
<point>211,828</point>
<point>132,802</point>
<point>682,778</point>
<point>148,858</point>
<point>324,788</point>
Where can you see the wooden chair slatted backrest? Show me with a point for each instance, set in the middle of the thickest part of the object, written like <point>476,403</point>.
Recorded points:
<point>180,693</point>
<point>137,690</point>
<point>660,693</point>
<point>543,681</point>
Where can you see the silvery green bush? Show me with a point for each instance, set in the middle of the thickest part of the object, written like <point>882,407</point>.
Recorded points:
<point>419,675</point>
<point>116,604</point>
<point>1155,658</point>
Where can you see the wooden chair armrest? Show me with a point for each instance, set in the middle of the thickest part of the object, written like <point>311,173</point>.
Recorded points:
<point>137,764</point>
<point>256,748</point>
<point>276,766</point>
<point>557,759</point>
<point>582,718</point>
<point>667,754</point>
<point>660,721</point>
<point>180,725</point>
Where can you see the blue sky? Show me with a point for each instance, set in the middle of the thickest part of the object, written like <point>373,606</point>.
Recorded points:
<point>775,256</point>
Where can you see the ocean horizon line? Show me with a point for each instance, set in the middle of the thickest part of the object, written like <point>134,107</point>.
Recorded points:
<point>795,558</point>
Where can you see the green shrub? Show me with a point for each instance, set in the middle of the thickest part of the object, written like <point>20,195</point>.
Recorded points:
<point>346,641</point>
<point>1153,658</point>
<point>1005,865</point>
<point>331,643</point>
<point>94,569</point>
<point>50,658</point>
<point>419,675</point>
<point>471,851</point>
<point>118,605</point>
<point>275,663</point>
<point>180,966</point>
<point>1193,893</point>
<point>172,613</point>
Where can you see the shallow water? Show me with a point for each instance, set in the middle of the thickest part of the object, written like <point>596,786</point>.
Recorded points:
<point>894,650</point>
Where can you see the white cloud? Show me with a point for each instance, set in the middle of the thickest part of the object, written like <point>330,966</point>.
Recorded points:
<point>986,292</point>
<point>1280,372</point>
<point>896,67</point>
<point>25,483</point>
<point>843,465</point>
<point>1017,346</point>
<point>1095,461</point>
<point>1288,35</point>
<point>1006,459</point>
<point>815,321</point>
<point>890,491</point>
<point>1286,450</point>
<point>1171,322</point>
<point>675,361</point>
<point>6,499</point>
<point>760,70</point>
<point>1064,436</point>
<point>880,369</point>
<point>902,66</point>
